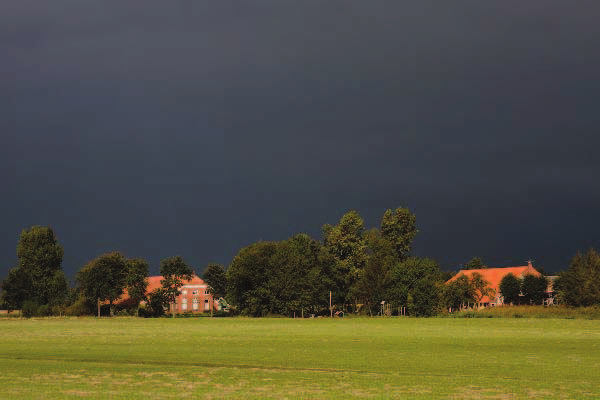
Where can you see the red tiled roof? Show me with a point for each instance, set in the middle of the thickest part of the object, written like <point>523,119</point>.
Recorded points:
<point>495,275</point>
<point>154,283</point>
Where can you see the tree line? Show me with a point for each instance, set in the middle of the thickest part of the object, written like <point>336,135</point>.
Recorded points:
<point>351,269</point>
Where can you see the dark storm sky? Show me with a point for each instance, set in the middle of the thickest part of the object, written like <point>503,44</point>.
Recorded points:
<point>196,128</point>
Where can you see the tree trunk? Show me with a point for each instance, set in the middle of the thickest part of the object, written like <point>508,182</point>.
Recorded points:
<point>98,307</point>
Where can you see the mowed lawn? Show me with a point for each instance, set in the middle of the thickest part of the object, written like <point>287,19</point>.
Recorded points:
<point>287,358</point>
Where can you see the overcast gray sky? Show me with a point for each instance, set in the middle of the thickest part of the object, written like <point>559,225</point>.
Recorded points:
<point>196,128</point>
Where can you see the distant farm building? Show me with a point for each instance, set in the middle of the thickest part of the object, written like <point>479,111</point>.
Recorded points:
<point>494,277</point>
<point>194,296</point>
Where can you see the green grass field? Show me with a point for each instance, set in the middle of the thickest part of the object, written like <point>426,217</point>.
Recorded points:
<point>286,358</point>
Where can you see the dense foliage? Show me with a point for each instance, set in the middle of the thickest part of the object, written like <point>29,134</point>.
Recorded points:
<point>174,272</point>
<point>38,280</point>
<point>105,279</point>
<point>510,288</point>
<point>351,269</point>
<point>474,263</point>
<point>215,278</point>
<point>292,276</point>
<point>530,289</point>
<point>580,284</point>
<point>459,292</point>
<point>361,271</point>
<point>534,289</point>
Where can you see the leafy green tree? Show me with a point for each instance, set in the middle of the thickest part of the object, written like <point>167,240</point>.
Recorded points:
<point>215,278</point>
<point>155,307</point>
<point>16,288</point>
<point>136,280</point>
<point>347,245</point>
<point>104,278</point>
<point>246,275</point>
<point>510,288</point>
<point>459,292</point>
<point>399,228</point>
<point>175,272</point>
<point>375,281</point>
<point>474,263</point>
<point>297,281</point>
<point>290,277</point>
<point>534,289</point>
<point>40,256</point>
<point>579,285</point>
<point>415,283</point>
<point>541,270</point>
<point>58,291</point>
<point>426,298</point>
<point>286,281</point>
<point>325,282</point>
<point>482,287</point>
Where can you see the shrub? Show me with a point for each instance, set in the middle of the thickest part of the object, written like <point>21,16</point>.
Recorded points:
<point>559,312</point>
<point>30,308</point>
<point>57,309</point>
<point>79,308</point>
<point>43,311</point>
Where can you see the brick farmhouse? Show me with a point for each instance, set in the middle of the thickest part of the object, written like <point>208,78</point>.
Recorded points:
<point>194,296</point>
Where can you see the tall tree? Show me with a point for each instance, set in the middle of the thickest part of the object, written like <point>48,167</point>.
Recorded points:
<point>376,278</point>
<point>534,289</point>
<point>58,290</point>
<point>296,281</point>
<point>40,256</point>
<point>175,272</point>
<point>246,276</point>
<point>579,285</point>
<point>103,279</point>
<point>474,263</point>
<point>347,245</point>
<point>459,292</point>
<point>136,280</point>
<point>399,228</point>
<point>16,288</point>
<point>482,287</point>
<point>415,284</point>
<point>290,277</point>
<point>510,288</point>
<point>426,297</point>
<point>215,278</point>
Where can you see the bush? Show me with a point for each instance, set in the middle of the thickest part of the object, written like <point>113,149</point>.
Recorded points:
<point>57,309</point>
<point>123,313</point>
<point>30,308</point>
<point>559,312</point>
<point>43,311</point>
<point>104,310</point>
<point>145,312</point>
<point>79,308</point>
<point>153,309</point>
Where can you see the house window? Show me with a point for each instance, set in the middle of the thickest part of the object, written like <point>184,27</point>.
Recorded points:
<point>195,304</point>
<point>195,291</point>
<point>184,304</point>
<point>184,292</point>
<point>206,305</point>
<point>206,291</point>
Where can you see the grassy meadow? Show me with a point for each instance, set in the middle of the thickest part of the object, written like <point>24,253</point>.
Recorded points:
<point>287,358</point>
